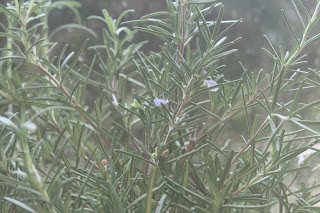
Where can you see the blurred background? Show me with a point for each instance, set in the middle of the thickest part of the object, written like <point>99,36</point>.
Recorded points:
<point>259,18</point>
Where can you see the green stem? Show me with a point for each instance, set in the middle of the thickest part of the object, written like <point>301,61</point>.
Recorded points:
<point>32,173</point>
<point>304,36</point>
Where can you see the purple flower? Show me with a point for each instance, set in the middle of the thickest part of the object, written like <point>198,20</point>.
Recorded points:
<point>159,101</point>
<point>211,83</point>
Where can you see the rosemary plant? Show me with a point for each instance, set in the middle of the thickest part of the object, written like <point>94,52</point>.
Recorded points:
<point>156,139</point>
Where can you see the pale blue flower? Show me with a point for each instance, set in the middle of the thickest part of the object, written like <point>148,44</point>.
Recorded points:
<point>159,101</point>
<point>211,83</point>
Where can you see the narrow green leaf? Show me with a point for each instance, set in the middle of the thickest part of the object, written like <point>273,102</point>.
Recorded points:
<point>185,174</point>
<point>61,55</point>
<point>186,189</point>
<point>8,123</point>
<point>226,170</point>
<point>11,57</point>
<point>246,111</point>
<point>10,35</point>
<point>18,203</point>
<point>298,14</point>
<point>98,114</point>
<point>36,7</point>
<point>248,171</point>
<point>75,60</point>
<point>304,9</point>
<point>277,90</point>
<point>9,14</point>
<point>36,77</point>
<point>217,24</point>
<point>306,106</point>
<point>135,156</point>
<point>139,143</point>
<point>115,198</point>
<point>187,154</point>
<point>296,121</point>
<point>121,16</point>
<point>204,24</point>
<point>32,113</point>
<point>292,154</point>
<point>50,65</point>
<point>296,98</point>
<point>247,206</point>
<point>164,89</point>
<point>286,171</point>
<point>291,30</point>
<point>10,92</point>
<point>274,131</point>
<point>204,109</point>
<point>161,203</point>
<point>181,207</point>
<point>159,13</point>
<point>97,17</point>
<point>157,33</point>
<point>273,49</point>
<point>109,21</point>
<point>75,26</point>
<point>142,197</point>
<point>148,203</point>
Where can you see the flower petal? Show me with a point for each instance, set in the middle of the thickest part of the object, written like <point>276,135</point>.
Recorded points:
<point>159,101</point>
<point>211,83</point>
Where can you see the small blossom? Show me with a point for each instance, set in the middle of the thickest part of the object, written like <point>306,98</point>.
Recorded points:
<point>211,83</point>
<point>159,101</point>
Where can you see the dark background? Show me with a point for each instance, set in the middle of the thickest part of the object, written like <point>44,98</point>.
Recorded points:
<point>259,17</point>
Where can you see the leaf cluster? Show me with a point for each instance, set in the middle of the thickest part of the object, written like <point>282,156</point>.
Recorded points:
<point>157,138</point>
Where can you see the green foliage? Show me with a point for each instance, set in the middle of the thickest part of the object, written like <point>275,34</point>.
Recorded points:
<point>156,139</point>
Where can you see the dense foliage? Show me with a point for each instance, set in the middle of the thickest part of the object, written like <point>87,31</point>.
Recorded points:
<point>156,137</point>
